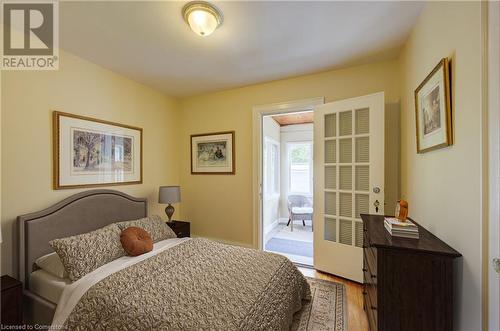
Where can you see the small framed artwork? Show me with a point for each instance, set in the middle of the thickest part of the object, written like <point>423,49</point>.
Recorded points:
<point>90,152</point>
<point>433,110</point>
<point>213,153</point>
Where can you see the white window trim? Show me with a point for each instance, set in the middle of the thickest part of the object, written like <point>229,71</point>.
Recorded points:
<point>289,166</point>
<point>275,194</point>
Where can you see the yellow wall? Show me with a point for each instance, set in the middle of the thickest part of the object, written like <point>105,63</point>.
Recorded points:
<point>78,87</point>
<point>220,206</point>
<point>444,186</point>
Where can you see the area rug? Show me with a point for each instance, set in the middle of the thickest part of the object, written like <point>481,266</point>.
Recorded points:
<point>295,247</point>
<point>327,309</point>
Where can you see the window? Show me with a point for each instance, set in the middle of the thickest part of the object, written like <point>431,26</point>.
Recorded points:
<point>300,168</point>
<point>271,167</point>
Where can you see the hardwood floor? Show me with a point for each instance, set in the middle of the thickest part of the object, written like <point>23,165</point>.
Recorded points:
<point>356,315</point>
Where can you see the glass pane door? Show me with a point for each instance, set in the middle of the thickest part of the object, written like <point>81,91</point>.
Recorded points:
<point>349,163</point>
<point>346,182</point>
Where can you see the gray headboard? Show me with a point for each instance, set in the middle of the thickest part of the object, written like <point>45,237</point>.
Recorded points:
<point>79,213</point>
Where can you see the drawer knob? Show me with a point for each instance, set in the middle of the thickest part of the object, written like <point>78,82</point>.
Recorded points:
<point>364,270</point>
<point>373,276</point>
<point>373,308</point>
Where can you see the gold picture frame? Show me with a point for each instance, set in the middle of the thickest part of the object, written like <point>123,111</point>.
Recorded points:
<point>115,157</point>
<point>433,116</point>
<point>213,153</point>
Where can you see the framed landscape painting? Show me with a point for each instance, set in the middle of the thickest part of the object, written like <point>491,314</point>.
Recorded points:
<point>433,110</point>
<point>213,153</point>
<point>90,152</point>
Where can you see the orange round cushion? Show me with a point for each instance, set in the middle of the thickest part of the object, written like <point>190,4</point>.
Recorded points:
<point>136,241</point>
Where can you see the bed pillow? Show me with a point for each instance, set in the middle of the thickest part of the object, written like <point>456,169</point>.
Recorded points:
<point>52,264</point>
<point>136,241</point>
<point>86,252</point>
<point>154,225</point>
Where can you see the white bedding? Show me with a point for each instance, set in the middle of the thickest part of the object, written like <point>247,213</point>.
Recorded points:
<point>47,285</point>
<point>72,293</point>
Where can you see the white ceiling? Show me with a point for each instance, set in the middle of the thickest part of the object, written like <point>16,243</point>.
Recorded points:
<point>258,41</point>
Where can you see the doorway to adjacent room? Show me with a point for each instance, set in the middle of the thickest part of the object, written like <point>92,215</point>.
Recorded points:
<point>287,188</point>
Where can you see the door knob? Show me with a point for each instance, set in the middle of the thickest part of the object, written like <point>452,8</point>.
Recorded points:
<point>376,189</point>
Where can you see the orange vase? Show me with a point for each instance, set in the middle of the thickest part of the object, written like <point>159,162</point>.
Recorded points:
<point>402,213</point>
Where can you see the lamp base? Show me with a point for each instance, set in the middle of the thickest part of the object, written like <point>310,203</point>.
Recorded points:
<point>169,211</point>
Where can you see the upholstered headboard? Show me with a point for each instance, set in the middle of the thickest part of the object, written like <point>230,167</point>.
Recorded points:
<point>80,213</point>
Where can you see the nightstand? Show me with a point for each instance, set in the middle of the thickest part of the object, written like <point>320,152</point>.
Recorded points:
<point>12,306</point>
<point>181,228</point>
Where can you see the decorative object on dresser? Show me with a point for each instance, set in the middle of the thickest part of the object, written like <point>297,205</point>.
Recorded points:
<point>401,210</point>
<point>408,284</point>
<point>213,153</point>
<point>12,307</point>
<point>90,152</point>
<point>433,110</point>
<point>169,194</point>
<point>181,228</point>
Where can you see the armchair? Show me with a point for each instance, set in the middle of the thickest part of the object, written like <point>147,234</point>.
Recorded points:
<point>299,208</point>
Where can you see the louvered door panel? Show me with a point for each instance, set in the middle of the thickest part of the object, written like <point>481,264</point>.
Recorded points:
<point>349,175</point>
<point>347,130</point>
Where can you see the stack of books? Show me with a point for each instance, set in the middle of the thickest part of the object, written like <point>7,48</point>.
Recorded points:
<point>401,229</point>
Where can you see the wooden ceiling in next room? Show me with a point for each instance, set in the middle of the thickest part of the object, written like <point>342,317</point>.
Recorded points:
<point>294,118</point>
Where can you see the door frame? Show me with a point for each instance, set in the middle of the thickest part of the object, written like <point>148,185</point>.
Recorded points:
<point>491,78</point>
<point>258,113</point>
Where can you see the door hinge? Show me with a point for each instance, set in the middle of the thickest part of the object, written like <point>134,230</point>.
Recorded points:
<point>496,264</point>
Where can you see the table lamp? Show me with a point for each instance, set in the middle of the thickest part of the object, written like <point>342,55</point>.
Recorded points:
<point>169,194</point>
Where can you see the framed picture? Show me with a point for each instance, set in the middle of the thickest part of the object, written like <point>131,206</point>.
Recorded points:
<point>213,153</point>
<point>90,152</point>
<point>433,110</point>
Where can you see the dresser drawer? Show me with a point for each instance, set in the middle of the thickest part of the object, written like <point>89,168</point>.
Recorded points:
<point>370,281</point>
<point>370,254</point>
<point>368,276</point>
<point>371,313</point>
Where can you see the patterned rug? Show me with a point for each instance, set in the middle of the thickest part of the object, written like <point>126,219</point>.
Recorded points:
<point>326,311</point>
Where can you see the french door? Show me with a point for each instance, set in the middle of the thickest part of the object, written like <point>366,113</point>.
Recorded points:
<point>349,180</point>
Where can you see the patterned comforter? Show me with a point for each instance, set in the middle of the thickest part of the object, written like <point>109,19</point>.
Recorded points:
<point>196,285</point>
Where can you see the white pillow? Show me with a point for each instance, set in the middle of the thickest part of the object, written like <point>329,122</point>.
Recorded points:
<point>52,264</point>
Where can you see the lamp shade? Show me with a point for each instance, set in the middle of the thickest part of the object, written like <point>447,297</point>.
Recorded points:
<point>169,194</point>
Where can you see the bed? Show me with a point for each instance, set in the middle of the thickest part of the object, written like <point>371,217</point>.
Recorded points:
<point>181,284</point>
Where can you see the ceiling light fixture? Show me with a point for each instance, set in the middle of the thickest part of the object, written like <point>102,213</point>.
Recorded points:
<point>203,17</point>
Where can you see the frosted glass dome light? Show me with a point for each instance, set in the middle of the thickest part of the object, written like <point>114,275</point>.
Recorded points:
<point>202,17</point>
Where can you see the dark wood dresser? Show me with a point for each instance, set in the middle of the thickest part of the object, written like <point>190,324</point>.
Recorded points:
<point>408,283</point>
<point>12,306</point>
